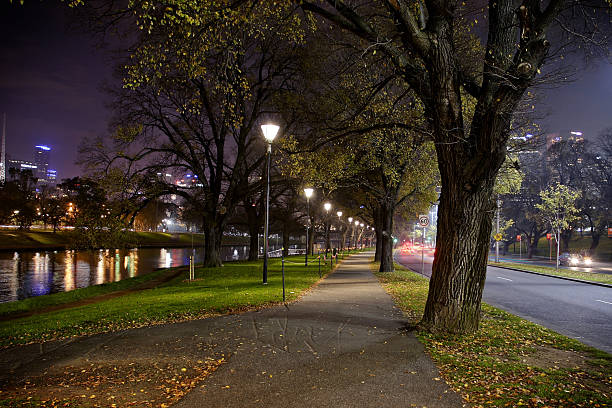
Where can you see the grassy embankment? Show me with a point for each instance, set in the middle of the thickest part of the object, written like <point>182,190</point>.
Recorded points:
<point>40,239</point>
<point>603,252</point>
<point>509,361</point>
<point>568,273</point>
<point>234,287</point>
<point>37,303</point>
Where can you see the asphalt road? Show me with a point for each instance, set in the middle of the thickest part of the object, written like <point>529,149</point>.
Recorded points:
<point>575,309</point>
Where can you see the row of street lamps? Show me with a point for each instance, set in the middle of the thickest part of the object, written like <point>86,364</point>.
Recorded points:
<point>270,131</point>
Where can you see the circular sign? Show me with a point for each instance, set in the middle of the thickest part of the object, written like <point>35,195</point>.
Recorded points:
<point>423,220</point>
<point>498,237</point>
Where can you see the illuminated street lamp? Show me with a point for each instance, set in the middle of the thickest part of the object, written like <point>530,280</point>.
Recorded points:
<point>339,214</point>
<point>361,235</point>
<point>269,132</point>
<point>350,223</point>
<point>308,192</point>
<point>327,207</point>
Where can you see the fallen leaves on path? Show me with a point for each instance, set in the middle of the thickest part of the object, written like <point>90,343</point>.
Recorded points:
<point>145,383</point>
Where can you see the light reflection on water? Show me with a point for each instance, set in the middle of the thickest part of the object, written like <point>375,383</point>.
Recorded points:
<point>27,274</point>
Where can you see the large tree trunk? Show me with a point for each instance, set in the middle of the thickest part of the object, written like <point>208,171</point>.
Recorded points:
<point>532,249</point>
<point>343,239</point>
<point>594,241</point>
<point>212,245</point>
<point>467,205</point>
<point>253,245</point>
<point>379,228</point>
<point>378,254</point>
<point>459,268</point>
<point>285,240</point>
<point>254,222</point>
<point>386,252</point>
<point>566,236</point>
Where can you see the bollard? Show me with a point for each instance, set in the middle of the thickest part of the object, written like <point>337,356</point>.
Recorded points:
<point>191,269</point>
<point>319,257</point>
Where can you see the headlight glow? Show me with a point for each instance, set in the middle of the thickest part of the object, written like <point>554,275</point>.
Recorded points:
<point>588,261</point>
<point>574,260</point>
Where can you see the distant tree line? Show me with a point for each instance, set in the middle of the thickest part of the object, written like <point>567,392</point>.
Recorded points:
<point>584,168</point>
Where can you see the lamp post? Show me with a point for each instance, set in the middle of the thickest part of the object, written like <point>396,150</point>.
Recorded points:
<point>350,224</point>
<point>327,207</point>
<point>361,235</point>
<point>269,132</point>
<point>497,233</point>
<point>339,214</point>
<point>308,192</point>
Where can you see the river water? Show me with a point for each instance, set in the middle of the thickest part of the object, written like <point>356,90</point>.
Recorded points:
<point>25,274</point>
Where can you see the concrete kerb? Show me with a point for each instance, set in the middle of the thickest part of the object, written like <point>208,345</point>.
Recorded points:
<point>605,285</point>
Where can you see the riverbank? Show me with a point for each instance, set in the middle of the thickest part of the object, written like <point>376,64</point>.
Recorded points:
<point>15,240</point>
<point>234,287</point>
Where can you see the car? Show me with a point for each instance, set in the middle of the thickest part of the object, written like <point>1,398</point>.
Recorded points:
<point>570,259</point>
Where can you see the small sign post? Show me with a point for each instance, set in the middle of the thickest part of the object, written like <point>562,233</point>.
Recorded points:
<point>518,238</point>
<point>423,222</point>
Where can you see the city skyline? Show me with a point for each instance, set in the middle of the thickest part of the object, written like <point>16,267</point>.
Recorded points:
<point>51,78</point>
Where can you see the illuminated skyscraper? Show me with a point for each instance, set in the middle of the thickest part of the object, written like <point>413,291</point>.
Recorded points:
<point>3,153</point>
<point>41,160</point>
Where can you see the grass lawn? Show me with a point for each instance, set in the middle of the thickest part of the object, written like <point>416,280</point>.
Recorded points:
<point>568,273</point>
<point>509,361</point>
<point>41,302</point>
<point>234,287</point>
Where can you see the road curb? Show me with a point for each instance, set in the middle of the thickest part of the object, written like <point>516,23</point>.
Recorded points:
<point>605,285</point>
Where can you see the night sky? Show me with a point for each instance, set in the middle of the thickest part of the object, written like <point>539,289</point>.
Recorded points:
<point>51,78</point>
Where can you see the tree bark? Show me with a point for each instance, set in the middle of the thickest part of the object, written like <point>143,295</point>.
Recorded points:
<point>566,236</point>
<point>532,249</point>
<point>459,268</point>
<point>378,254</point>
<point>386,246</point>
<point>379,228</point>
<point>594,242</point>
<point>285,240</point>
<point>254,222</point>
<point>213,235</point>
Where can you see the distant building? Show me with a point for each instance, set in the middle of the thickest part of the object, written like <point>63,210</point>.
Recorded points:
<point>51,176</point>
<point>41,160</point>
<point>22,165</point>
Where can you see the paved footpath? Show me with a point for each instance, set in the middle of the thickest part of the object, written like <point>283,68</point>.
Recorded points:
<point>344,344</point>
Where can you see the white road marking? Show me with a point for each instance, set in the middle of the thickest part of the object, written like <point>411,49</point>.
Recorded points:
<point>499,277</point>
<point>603,301</point>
